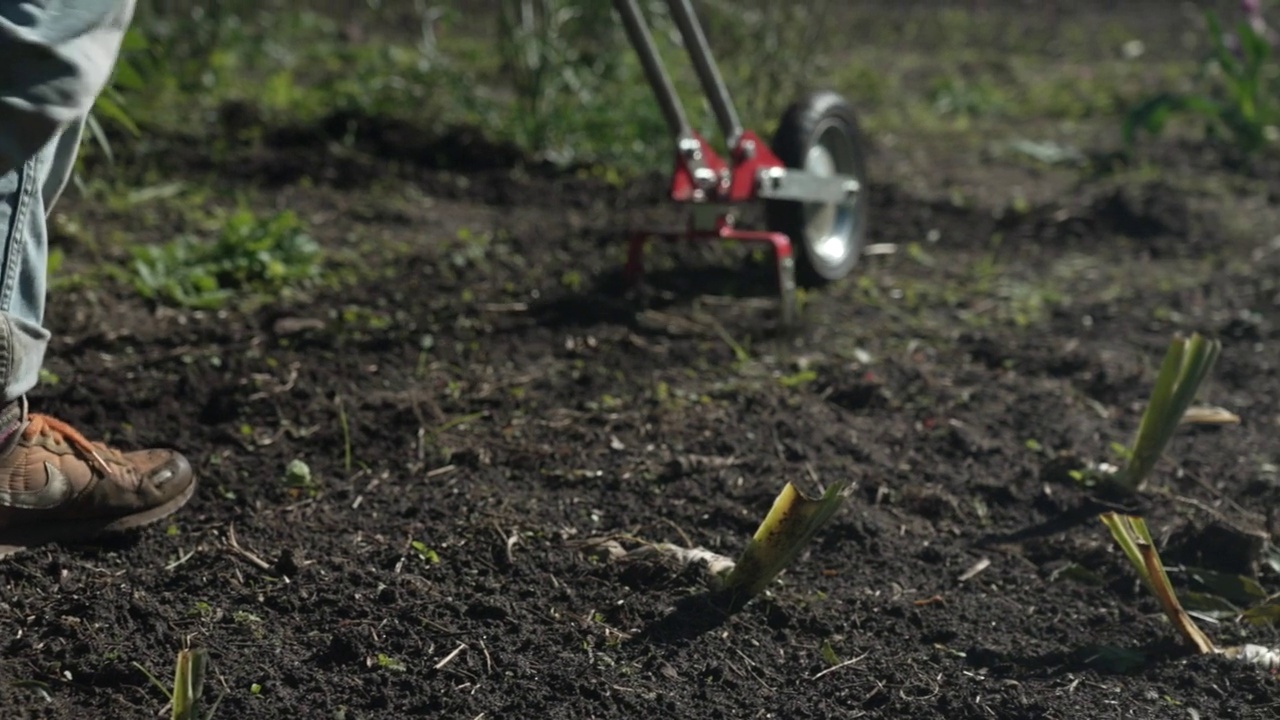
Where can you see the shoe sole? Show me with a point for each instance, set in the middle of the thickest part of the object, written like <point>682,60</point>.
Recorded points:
<point>17,540</point>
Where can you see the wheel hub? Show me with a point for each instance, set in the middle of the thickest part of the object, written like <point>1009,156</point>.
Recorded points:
<point>829,227</point>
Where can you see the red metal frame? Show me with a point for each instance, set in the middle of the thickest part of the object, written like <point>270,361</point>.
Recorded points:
<point>736,183</point>
<point>724,230</point>
<point>701,175</point>
<point>748,157</point>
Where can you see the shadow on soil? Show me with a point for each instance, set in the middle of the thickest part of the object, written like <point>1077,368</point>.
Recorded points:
<point>1105,659</point>
<point>611,301</point>
<point>692,617</point>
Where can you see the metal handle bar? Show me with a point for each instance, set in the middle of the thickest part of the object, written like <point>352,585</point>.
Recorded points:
<point>695,42</point>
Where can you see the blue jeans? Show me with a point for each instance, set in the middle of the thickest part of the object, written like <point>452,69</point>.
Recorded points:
<point>57,56</point>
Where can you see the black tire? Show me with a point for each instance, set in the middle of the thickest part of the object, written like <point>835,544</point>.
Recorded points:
<point>823,119</point>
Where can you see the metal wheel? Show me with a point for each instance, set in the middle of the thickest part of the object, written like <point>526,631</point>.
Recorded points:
<point>819,134</point>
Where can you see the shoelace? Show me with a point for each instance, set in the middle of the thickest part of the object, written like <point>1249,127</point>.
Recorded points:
<point>38,423</point>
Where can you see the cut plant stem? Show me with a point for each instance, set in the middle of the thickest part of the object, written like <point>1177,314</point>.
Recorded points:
<point>791,523</point>
<point>1185,367</point>
<point>188,683</point>
<point>1133,537</point>
<point>346,434</point>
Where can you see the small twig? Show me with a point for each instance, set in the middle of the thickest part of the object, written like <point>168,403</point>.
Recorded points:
<point>346,434</point>
<point>450,657</point>
<point>510,541</point>
<point>751,672</point>
<point>976,568</point>
<point>280,388</point>
<point>739,352</point>
<point>190,554</point>
<point>233,544</point>
<point>404,554</point>
<point>813,474</point>
<point>846,663</point>
<point>511,307</point>
<point>679,530</point>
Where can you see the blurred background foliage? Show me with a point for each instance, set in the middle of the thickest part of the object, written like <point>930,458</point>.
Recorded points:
<point>555,77</point>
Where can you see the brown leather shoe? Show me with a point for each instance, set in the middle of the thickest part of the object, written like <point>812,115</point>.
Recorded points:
<point>57,486</point>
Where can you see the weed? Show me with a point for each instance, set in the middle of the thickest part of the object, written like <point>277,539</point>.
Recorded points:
<point>472,249</point>
<point>297,475</point>
<point>110,104</point>
<point>798,379</point>
<point>187,697</point>
<point>965,98</point>
<point>346,435</point>
<point>425,552</point>
<point>250,256</point>
<point>243,617</point>
<point>572,281</point>
<point>387,662</point>
<point>1241,101</point>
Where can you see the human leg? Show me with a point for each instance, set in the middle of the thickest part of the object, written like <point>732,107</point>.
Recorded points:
<point>55,484</point>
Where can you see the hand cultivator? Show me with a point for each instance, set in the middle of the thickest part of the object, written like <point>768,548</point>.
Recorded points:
<point>811,177</point>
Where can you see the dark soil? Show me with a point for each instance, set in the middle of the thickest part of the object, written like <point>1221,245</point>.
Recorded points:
<point>472,413</point>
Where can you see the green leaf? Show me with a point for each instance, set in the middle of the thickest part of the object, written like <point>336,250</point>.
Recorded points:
<point>1209,605</point>
<point>188,683</point>
<point>1268,614</point>
<point>829,654</point>
<point>1134,538</point>
<point>1078,573</point>
<point>1127,531</point>
<point>108,107</point>
<point>425,552</point>
<point>1109,658</point>
<point>1152,116</point>
<point>1235,588</point>
<point>1185,366</point>
<point>95,131</point>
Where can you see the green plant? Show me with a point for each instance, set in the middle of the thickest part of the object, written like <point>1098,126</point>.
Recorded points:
<point>1133,537</point>
<point>1186,365</point>
<point>249,256</point>
<point>793,36</point>
<point>387,662</point>
<point>1243,102</point>
<point>540,58</point>
<point>187,697</point>
<point>425,552</point>
<point>792,522</point>
<point>963,97</point>
<point>110,104</point>
<point>297,475</point>
<point>345,423</point>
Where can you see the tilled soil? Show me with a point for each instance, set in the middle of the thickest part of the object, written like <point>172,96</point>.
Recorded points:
<point>485,402</point>
<point>471,402</point>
